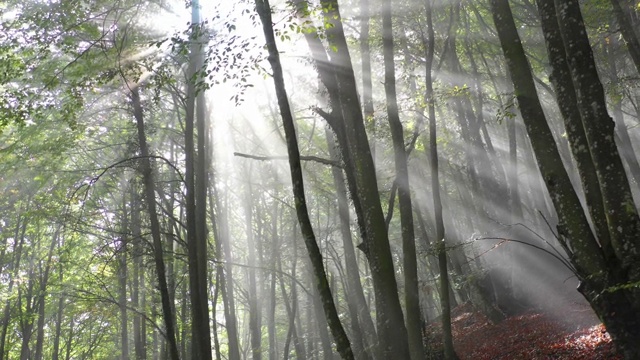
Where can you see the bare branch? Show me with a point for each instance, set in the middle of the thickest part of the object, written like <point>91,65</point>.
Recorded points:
<point>307,158</point>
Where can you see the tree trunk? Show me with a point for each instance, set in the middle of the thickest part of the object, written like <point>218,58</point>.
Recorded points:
<point>271,315</point>
<point>149,185</point>
<point>598,274</point>
<point>567,102</point>
<point>367,87</point>
<point>55,355</point>
<point>410,264</point>
<point>223,252</point>
<point>362,323</point>
<point>122,279</point>
<point>342,342</point>
<point>449,352</point>
<point>255,316</point>
<point>392,336</point>
<point>619,207</point>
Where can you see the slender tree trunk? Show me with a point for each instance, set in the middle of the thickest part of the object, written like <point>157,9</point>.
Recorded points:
<point>271,315</point>
<point>21,227</point>
<point>122,280</point>
<point>291,306</point>
<point>44,280</point>
<point>342,342</point>
<point>223,252</point>
<point>367,87</point>
<point>572,220</point>
<point>55,355</point>
<point>255,315</point>
<point>449,352</point>
<point>149,190</point>
<point>410,264</point>
<point>138,253</point>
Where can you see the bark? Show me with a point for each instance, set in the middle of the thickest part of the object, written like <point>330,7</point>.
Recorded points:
<point>291,307</point>
<point>410,264</point>
<point>567,102</point>
<point>255,328</point>
<point>271,316</point>
<point>122,280</point>
<point>149,190</point>
<point>572,220</point>
<point>223,251</point>
<point>331,313</point>
<point>328,77</point>
<point>365,55</point>
<point>362,323</point>
<point>138,276</point>
<point>621,212</point>
<point>449,352</point>
<point>44,281</point>
<point>196,223</point>
<point>392,335</point>
<point>55,355</point>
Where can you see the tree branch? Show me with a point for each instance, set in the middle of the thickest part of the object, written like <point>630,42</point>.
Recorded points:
<point>307,158</point>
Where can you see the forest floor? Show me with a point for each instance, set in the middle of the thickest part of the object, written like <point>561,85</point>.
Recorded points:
<point>577,334</point>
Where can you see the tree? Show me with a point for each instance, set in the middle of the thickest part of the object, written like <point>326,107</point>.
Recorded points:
<point>602,278</point>
<point>344,347</point>
<point>412,300</point>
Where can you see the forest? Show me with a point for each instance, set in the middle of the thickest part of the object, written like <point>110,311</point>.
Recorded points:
<point>322,179</point>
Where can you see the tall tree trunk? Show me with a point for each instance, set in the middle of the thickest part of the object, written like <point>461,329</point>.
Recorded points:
<point>291,307</point>
<point>196,201</point>
<point>223,253</point>
<point>367,87</point>
<point>449,352</point>
<point>410,264</point>
<point>138,263</point>
<point>619,207</point>
<point>271,315</point>
<point>122,279</point>
<point>342,342</point>
<point>255,328</point>
<point>348,123</point>
<point>598,274</point>
<point>55,355</point>
<point>567,102</point>
<point>44,281</point>
<point>362,323</point>
<point>149,189</point>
